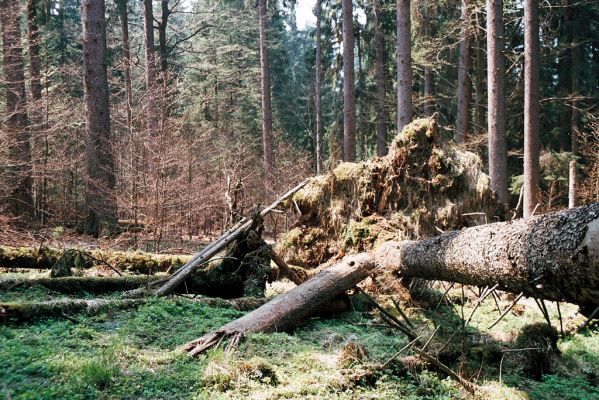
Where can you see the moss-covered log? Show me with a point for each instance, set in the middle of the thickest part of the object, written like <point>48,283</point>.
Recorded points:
<point>28,311</point>
<point>553,256</point>
<point>75,284</point>
<point>47,257</point>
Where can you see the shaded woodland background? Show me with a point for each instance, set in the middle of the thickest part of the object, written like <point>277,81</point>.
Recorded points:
<point>186,140</point>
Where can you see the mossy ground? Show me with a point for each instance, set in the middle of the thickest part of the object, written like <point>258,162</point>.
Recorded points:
<point>134,354</point>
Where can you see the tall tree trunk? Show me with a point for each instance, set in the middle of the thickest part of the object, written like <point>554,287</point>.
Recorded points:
<point>464,84</point>
<point>152,95</point>
<point>573,168</point>
<point>404,64</point>
<point>479,83</point>
<point>34,51</point>
<point>165,13</point>
<point>496,101</point>
<point>428,72</point>
<point>100,200</point>
<point>16,125</point>
<point>266,103</point>
<point>362,138</point>
<point>318,94</point>
<point>349,96</point>
<point>379,46</point>
<point>35,104</point>
<point>532,111</point>
<point>124,17</point>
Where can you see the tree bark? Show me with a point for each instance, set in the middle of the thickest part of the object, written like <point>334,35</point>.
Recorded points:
<point>428,72</point>
<point>124,17</point>
<point>479,84</point>
<point>34,57</point>
<point>165,13</point>
<point>266,98</point>
<point>16,125</point>
<point>532,111</point>
<point>553,256</point>
<point>349,95</point>
<point>404,64</point>
<point>100,199</point>
<point>575,116</point>
<point>379,46</point>
<point>293,307</point>
<point>496,101</point>
<point>464,84</point>
<point>318,94</point>
<point>151,83</point>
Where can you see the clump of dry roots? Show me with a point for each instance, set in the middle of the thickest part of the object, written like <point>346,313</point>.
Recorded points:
<point>419,189</point>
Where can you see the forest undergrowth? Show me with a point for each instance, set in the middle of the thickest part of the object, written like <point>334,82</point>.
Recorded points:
<point>135,354</point>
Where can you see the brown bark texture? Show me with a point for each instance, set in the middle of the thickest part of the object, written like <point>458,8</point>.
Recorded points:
<point>496,100</point>
<point>349,94</point>
<point>100,198</point>
<point>404,64</point>
<point>124,17</point>
<point>464,84</point>
<point>266,98</point>
<point>429,100</point>
<point>575,115</point>
<point>532,109</point>
<point>293,307</point>
<point>16,141</point>
<point>553,256</point>
<point>379,45</point>
<point>318,94</point>
<point>152,113</point>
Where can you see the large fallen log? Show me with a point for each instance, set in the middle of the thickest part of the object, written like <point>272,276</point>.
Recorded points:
<point>553,256</point>
<point>293,307</point>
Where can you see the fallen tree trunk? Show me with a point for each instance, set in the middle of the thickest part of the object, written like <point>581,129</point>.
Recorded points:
<point>75,284</point>
<point>553,256</point>
<point>293,307</point>
<point>28,311</point>
<point>216,247</point>
<point>47,257</point>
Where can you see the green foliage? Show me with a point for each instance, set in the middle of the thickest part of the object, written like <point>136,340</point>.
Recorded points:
<point>573,388</point>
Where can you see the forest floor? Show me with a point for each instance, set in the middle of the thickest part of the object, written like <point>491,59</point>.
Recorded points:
<point>134,354</point>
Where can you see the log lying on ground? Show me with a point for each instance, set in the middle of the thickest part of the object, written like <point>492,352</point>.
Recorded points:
<point>47,257</point>
<point>217,246</point>
<point>75,284</point>
<point>28,311</point>
<point>293,307</point>
<point>553,256</point>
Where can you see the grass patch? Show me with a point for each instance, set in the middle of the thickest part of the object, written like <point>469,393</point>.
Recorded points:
<point>133,354</point>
